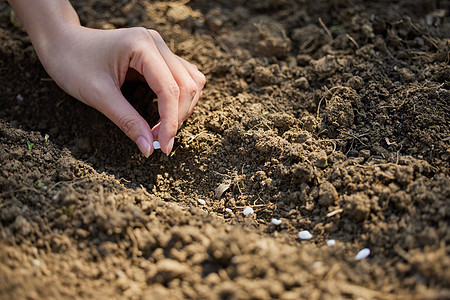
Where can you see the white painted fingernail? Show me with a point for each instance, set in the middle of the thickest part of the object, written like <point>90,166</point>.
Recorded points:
<point>156,145</point>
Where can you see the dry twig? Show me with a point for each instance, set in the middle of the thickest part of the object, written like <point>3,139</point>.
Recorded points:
<point>326,28</point>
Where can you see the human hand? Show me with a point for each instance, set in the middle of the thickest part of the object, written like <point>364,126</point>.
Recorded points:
<point>91,65</point>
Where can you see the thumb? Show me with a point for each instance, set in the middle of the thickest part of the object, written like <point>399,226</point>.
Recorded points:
<point>122,113</point>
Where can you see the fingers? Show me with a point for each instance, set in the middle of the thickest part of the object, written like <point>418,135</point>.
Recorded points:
<point>189,89</point>
<point>147,60</point>
<point>199,79</point>
<point>176,83</point>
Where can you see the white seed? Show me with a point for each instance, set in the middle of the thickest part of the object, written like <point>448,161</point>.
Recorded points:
<point>304,235</point>
<point>36,262</point>
<point>331,243</point>
<point>201,201</point>
<point>276,221</point>
<point>228,210</point>
<point>248,211</point>
<point>156,145</point>
<point>363,254</point>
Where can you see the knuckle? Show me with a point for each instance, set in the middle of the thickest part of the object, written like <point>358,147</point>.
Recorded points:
<point>141,32</point>
<point>138,38</point>
<point>201,79</point>
<point>173,90</point>
<point>172,125</point>
<point>153,33</point>
<point>127,124</point>
<point>190,89</point>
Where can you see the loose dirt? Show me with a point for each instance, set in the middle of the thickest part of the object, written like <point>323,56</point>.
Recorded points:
<point>331,116</point>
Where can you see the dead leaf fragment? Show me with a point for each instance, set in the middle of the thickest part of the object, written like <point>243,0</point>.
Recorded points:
<point>221,189</point>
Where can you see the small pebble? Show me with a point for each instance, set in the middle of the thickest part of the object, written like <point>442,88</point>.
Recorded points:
<point>201,201</point>
<point>228,210</point>
<point>304,235</point>
<point>363,254</point>
<point>156,145</point>
<point>248,211</point>
<point>331,243</point>
<point>276,221</point>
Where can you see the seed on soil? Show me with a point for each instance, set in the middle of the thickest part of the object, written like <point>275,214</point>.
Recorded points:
<point>228,210</point>
<point>201,201</point>
<point>363,254</point>
<point>304,235</point>
<point>36,262</point>
<point>276,221</point>
<point>248,211</point>
<point>331,243</point>
<point>156,145</point>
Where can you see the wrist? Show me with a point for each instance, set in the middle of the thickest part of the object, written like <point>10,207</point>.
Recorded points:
<point>49,42</point>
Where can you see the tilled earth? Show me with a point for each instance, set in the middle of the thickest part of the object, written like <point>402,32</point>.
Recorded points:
<point>331,116</point>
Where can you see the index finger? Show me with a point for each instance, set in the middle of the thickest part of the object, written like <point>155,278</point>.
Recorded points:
<point>148,61</point>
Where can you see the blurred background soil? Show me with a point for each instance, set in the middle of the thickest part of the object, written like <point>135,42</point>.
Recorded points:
<point>332,116</point>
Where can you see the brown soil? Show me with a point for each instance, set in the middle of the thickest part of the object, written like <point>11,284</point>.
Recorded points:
<point>332,116</point>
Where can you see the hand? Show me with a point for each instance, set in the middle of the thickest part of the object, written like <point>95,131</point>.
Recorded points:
<point>91,65</point>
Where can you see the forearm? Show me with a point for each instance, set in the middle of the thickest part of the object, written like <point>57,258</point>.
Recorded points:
<point>45,20</point>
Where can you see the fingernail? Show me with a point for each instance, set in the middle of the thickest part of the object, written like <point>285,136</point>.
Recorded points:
<point>169,146</point>
<point>144,146</point>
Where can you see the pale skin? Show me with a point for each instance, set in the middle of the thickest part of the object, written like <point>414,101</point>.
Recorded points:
<point>92,65</point>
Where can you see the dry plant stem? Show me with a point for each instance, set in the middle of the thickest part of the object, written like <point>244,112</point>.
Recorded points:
<point>326,29</point>
<point>334,212</point>
<point>352,39</point>
<point>24,189</point>
<point>70,183</point>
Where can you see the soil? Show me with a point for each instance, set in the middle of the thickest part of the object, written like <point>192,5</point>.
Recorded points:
<point>331,116</point>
